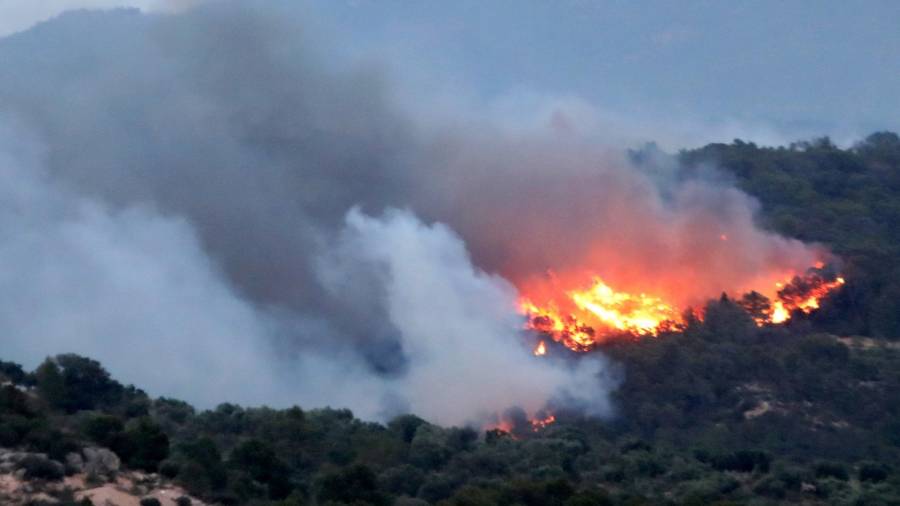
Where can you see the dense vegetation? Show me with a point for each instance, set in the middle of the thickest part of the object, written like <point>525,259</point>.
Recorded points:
<point>847,199</point>
<point>724,412</point>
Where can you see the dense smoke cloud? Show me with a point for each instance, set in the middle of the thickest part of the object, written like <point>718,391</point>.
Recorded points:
<point>130,287</point>
<point>134,289</point>
<point>453,323</point>
<point>562,202</point>
<point>212,211</point>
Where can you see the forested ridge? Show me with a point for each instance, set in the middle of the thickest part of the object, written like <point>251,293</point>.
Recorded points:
<point>846,199</point>
<point>722,412</point>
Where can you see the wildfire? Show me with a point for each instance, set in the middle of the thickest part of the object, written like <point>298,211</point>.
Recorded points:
<point>598,312</point>
<point>802,294</point>
<point>582,317</point>
<point>517,426</point>
<point>542,423</point>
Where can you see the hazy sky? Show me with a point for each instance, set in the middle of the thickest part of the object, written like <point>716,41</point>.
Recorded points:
<point>770,70</point>
<point>826,66</point>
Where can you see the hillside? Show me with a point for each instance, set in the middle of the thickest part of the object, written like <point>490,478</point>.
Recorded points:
<point>847,199</point>
<point>723,412</point>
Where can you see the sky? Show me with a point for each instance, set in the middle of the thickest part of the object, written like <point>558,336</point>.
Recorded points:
<point>775,68</point>
<point>683,72</point>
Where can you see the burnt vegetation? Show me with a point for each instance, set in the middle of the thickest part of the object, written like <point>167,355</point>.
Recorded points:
<point>722,412</point>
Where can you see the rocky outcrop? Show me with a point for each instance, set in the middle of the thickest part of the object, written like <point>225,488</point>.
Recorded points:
<point>74,463</point>
<point>30,466</point>
<point>94,474</point>
<point>9,460</point>
<point>100,462</point>
<point>95,462</point>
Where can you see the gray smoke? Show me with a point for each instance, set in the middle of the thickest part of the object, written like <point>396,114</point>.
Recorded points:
<point>216,208</point>
<point>134,289</point>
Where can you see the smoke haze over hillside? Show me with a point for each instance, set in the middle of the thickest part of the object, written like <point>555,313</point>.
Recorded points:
<point>219,208</point>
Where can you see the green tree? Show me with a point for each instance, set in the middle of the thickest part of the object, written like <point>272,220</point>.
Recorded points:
<point>354,484</point>
<point>144,446</point>
<point>72,383</point>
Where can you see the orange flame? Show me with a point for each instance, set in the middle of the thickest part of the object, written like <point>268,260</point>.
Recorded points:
<point>582,317</point>
<point>599,311</point>
<point>802,294</point>
<point>779,314</point>
<point>541,420</point>
<point>542,423</point>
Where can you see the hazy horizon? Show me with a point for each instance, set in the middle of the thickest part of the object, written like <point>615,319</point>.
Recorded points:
<point>681,74</point>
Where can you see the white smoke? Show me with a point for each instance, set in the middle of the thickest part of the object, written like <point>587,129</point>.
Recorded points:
<point>130,288</point>
<point>135,290</point>
<point>457,325</point>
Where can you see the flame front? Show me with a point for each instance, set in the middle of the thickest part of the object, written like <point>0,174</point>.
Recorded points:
<point>802,294</point>
<point>515,428</point>
<point>597,312</point>
<point>542,423</point>
<point>638,314</point>
<point>581,318</point>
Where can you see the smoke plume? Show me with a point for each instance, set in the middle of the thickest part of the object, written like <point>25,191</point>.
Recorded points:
<point>217,208</point>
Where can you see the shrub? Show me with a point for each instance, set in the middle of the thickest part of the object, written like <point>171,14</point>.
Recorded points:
<point>257,459</point>
<point>590,498</point>
<point>472,496</point>
<point>427,450</point>
<point>356,483</point>
<point>402,480</point>
<point>771,487</point>
<point>72,383</point>
<point>169,469</point>
<point>12,401</point>
<point>40,468</point>
<point>744,461</point>
<point>873,471</point>
<point>12,372</point>
<point>103,429</point>
<point>405,426</point>
<point>831,470</point>
<point>786,479</point>
<point>202,470</point>
<point>146,445</point>
<point>437,486</point>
